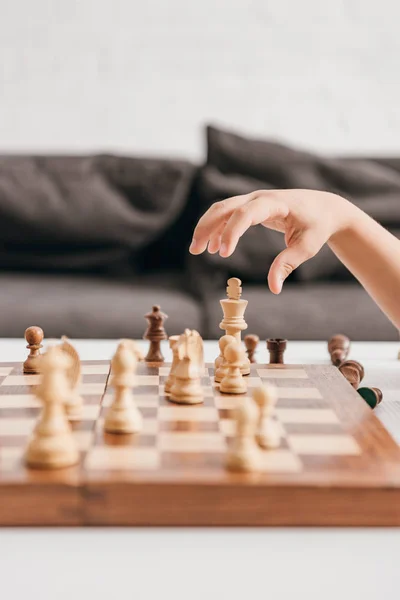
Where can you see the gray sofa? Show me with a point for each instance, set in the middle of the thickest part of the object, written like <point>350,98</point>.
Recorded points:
<point>89,244</point>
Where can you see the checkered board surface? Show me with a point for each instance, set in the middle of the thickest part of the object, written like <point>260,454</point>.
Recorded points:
<point>19,411</point>
<point>331,441</point>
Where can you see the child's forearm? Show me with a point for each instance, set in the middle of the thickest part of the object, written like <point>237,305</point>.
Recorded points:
<point>372,255</point>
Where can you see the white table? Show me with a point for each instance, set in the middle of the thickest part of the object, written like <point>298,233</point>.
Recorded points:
<point>323,564</point>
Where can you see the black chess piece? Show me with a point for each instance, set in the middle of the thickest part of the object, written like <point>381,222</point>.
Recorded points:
<point>372,396</point>
<point>338,348</point>
<point>155,333</point>
<point>251,341</point>
<point>353,371</point>
<point>276,348</point>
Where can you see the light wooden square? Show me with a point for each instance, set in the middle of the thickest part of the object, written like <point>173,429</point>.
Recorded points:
<point>90,389</point>
<point>5,371</point>
<point>191,441</point>
<point>147,380</point>
<point>150,427</point>
<point>16,426</point>
<point>187,413</point>
<point>19,401</point>
<point>336,445</point>
<point>282,373</point>
<point>312,393</point>
<point>228,402</point>
<point>252,382</point>
<point>95,369</point>
<point>10,457</point>
<point>123,458</point>
<point>83,439</point>
<point>306,415</point>
<point>22,380</point>
<point>280,461</point>
<point>146,400</point>
<point>228,427</point>
<point>90,412</point>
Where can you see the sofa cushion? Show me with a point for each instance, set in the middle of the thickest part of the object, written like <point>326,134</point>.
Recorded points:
<point>92,307</point>
<point>246,164</point>
<point>313,311</point>
<point>77,213</point>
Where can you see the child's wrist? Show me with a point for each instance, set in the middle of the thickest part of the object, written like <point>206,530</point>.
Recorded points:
<point>349,217</point>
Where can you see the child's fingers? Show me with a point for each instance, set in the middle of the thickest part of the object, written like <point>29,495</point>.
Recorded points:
<point>289,259</point>
<point>215,217</point>
<point>257,211</point>
<point>215,241</point>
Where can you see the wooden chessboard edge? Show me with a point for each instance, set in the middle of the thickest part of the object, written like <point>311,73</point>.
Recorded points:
<point>43,505</point>
<point>184,505</point>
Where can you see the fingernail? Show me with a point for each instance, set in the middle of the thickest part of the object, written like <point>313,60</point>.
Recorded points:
<point>193,246</point>
<point>224,249</point>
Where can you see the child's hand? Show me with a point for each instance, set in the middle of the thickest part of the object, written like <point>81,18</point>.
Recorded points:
<point>307,218</point>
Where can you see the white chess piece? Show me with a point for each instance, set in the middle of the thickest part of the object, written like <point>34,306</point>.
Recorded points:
<point>222,368</point>
<point>244,454</point>
<point>173,344</point>
<point>123,416</point>
<point>233,322</point>
<point>52,445</point>
<point>187,388</point>
<point>133,347</point>
<point>233,381</point>
<point>269,432</point>
<point>74,401</point>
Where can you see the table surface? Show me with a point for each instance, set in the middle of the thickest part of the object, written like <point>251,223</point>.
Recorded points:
<point>328,563</point>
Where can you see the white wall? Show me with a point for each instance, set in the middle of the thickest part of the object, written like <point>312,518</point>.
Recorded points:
<point>77,75</point>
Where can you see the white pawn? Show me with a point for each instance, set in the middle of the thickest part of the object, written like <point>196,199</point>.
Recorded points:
<point>233,381</point>
<point>269,432</point>
<point>123,416</point>
<point>244,454</point>
<point>221,370</point>
<point>173,344</point>
<point>52,445</point>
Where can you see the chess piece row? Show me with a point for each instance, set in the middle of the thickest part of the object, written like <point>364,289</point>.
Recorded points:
<point>233,324</point>
<point>276,348</point>
<point>352,370</point>
<point>52,444</point>
<point>183,384</point>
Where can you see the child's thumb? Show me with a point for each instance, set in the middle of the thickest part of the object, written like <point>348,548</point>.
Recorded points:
<point>287,261</point>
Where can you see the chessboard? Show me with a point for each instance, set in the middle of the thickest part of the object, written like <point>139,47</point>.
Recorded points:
<point>336,465</point>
